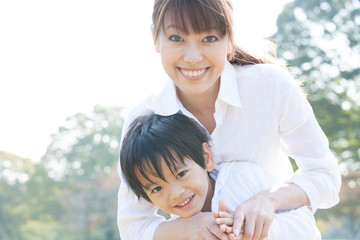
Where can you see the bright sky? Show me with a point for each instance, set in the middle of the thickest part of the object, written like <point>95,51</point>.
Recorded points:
<point>58,58</point>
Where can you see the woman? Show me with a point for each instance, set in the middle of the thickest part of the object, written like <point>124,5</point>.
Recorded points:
<point>253,110</point>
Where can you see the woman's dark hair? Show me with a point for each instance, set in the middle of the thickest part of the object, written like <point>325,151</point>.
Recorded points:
<point>202,16</point>
<point>153,138</point>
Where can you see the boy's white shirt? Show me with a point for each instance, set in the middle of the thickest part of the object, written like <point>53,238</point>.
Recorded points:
<point>261,116</point>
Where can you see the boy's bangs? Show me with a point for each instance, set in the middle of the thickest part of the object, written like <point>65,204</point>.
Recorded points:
<point>151,164</point>
<point>197,16</point>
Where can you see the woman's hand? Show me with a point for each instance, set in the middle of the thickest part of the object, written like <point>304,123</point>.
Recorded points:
<point>257,214</point>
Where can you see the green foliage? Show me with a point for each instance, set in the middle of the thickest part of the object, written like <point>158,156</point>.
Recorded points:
<point>320,42</point>
<point>72,192</point>
<point>85,145</point>
<point>82,157</point>
<point>14,172</point>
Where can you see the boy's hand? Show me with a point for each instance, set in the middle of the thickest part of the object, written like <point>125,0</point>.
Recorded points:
<point>205,227</point>
<point>224,218</point>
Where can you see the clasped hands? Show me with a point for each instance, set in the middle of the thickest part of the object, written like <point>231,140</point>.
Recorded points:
<point>250,221</point>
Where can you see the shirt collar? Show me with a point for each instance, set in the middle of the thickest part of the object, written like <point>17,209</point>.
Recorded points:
<point>170,104</point>
<point>229,92</point>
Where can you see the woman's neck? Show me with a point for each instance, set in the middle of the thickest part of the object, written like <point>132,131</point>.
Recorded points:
<point>201,106</point>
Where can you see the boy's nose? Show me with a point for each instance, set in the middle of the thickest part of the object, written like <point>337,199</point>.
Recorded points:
<point>176,191</point>
<point>193,54</point>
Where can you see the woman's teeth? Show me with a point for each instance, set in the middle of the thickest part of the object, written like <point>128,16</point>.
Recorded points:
<point>189,73</point>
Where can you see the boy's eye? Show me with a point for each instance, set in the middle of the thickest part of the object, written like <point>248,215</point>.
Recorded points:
<point>210,39</point>
<point>175,38</point>
<point>157,189</point>
<point>181,174</point>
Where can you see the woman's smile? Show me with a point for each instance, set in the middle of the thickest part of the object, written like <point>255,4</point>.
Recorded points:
<point>193,74</point>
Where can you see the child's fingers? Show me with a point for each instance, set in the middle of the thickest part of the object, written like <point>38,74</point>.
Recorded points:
<point>227,221</point>
<point>231,236</point>
<point>225,229</point>
<point>222,214</point>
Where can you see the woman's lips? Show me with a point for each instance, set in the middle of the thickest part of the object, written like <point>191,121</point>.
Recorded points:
<point>193,74</point>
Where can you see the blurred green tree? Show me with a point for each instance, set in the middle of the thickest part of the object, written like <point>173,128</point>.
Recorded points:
<point>82,157</point>
<point>319,40</point>
<point>14,172</point>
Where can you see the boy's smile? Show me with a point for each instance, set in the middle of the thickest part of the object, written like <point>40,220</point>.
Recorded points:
<point>186,191</point>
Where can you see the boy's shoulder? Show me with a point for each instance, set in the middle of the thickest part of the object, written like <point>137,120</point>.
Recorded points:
<point>245,172</point>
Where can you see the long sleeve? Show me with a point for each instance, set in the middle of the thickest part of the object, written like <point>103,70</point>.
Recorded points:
<point>304,141</point>
<point>297,224</point>
<point>238,181</point>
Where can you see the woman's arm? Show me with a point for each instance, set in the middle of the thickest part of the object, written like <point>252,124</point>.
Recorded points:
<point>298,223</point>
<point>315,184</point>
<point>259,210</point>
<point>303,140</point>
<point>248,190</point>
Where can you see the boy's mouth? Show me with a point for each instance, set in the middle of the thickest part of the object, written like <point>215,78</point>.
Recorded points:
<point>186,201</point>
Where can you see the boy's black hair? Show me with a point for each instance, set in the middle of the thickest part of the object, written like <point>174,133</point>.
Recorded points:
<point>153,137</point>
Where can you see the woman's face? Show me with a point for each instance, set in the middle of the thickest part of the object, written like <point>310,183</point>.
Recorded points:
<point>193,61</point>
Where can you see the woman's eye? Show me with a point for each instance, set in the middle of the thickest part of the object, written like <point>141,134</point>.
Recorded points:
<point>175,38</point>
<point>181,174</point>
<point>210,39</point>
<point>157,189</point>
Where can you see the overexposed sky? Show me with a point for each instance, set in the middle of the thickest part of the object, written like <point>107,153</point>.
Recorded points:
<point>61,57</point>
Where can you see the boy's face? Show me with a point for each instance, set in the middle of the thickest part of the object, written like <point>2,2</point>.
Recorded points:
<point>186,191</point>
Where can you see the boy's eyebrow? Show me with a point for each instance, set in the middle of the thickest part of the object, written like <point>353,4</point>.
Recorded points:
<point>148,185</point>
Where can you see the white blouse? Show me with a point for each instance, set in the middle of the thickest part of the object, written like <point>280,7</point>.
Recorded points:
<point>261,116</point>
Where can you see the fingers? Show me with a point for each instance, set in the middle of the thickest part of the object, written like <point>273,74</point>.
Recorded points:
<point>210,236</point>
<point>256,230</point>
<point>224,221</point>
<point>223,207</point>
<point>238,220</point>
<point>225,228</point>
<point>265,231</point>
<point>215,231</point>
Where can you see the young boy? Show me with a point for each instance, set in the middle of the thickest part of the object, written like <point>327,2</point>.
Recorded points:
<point>167,161</point>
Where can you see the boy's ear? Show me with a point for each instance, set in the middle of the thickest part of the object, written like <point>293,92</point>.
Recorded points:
<point>209,160</point>
<point>152,30</point>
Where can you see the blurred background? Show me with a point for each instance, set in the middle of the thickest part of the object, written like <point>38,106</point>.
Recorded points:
<point>70,71</point>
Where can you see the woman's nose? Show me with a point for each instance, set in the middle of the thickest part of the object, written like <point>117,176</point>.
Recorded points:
<point>193,54</point>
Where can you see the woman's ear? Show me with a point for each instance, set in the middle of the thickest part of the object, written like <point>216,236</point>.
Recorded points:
<point>209,159</point>
<point>156,45</point>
